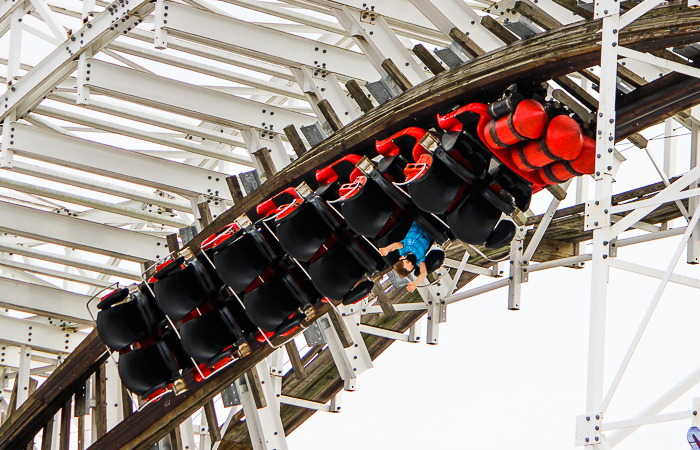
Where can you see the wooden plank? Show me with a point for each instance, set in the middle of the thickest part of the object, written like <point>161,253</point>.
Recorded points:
<point>41,407</point>
<point>396,75</point>
<point>295,140</point>
<point>205,217</point>
<point>572,5</point>
<point>536,15</point>
<point>47,435</point>
<point>100,396</point>
<point>212,421</point>
<point>384,303</point>
<point>176,439</point>
<point>359,96</point>
<point>66,416</point>
<point>172,243</point>
<point>234,187</point>
<point>265,161</point>
<point>428,59</point>
<point>573,105</point>
<point>340,328</point>
<point>253,382</point>
<point>329,114</point>
<point>295,359</point>
<point>499,30</point>
<point>468,45</point>
<point>557,191</point>
<point>127,402</point>
<point>81,432</point>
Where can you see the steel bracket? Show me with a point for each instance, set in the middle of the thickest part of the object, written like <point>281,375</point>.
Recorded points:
<point>588,429</point>
<point>597,214</point>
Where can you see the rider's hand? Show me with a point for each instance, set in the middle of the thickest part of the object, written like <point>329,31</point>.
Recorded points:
<point>411,286</point>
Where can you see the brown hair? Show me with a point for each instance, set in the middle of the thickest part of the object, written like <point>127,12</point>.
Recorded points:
<point>400,269</point>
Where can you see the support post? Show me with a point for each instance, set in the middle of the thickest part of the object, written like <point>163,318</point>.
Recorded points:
<point>428,59</point>
<point>359,96</point>
<point>396,75</point>
<point>694,202</point>
<point>265,161</point>
<point>295,359</point>
<point>295,140</point>
<point>212,421</point>
<point>234,186</point>
<point>66,416</point>
<point>329,114</point>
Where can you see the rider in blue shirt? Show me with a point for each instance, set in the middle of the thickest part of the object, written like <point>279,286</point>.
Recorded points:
<point>412,249</point>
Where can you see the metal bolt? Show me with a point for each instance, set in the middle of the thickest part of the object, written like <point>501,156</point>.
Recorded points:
<point>605,211</point>
<point>597,202</point>
<point>609,167</point>
<point>597,417</point>
<point>587,439</point>
<point>595,223</point>
<point>597,427</point>
<point>596,438</point>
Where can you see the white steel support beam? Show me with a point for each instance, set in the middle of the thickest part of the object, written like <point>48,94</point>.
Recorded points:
<point>165,219</point>
<point>60,63</point>
<point>45,301</point>
<point>38,335</point>
<point>69,261</point>
<point>77,233</point>
<point>32,268</point>
<point>264,43</point>
<point>113,391</point>
<point>229,75</point>
<point>264,424</point>
<point>609,11</point>
<point>461,16</point>
<point>190,100</point>
<point>353,360</point>
<point>22,380</point>
<point>159,198</point>
<point>126,165</point>
<point>694,202</point>
<point>156,138</point>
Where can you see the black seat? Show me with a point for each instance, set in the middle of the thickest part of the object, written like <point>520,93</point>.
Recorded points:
<point>501,235</point>
<point>474,219</point>
<point>211,336</point>
<point>336,273</point>
<point>147,369</point>
<point>240,260</point>
<point>120,325</point>
<point>302,232</point>
<point>368,211</point>
<point>273,302</point>
<point>181,288</point>
<point>436,188</point>
<point>433,261</point>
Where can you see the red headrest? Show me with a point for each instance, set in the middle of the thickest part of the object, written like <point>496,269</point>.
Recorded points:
<point>403,140</point>
<point>331,173</point>
<point>270,206</point>
<point>467,114</point>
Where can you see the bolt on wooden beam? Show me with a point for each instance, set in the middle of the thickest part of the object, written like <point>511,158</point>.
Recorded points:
<point>396,75</point>
<point>295,140</point>
<point>464,41</point>
<point>428,59</point>
<point>295,359</point>
<point>330,115</point>
<point>359,96</point>
<point>498,30</point>
<point>265,161</point>
<point>234,186</point>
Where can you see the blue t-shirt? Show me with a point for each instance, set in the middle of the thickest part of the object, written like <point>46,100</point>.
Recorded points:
<point>417,241</point>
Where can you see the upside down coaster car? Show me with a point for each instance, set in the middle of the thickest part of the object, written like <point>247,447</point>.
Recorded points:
<point>252,281</point>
